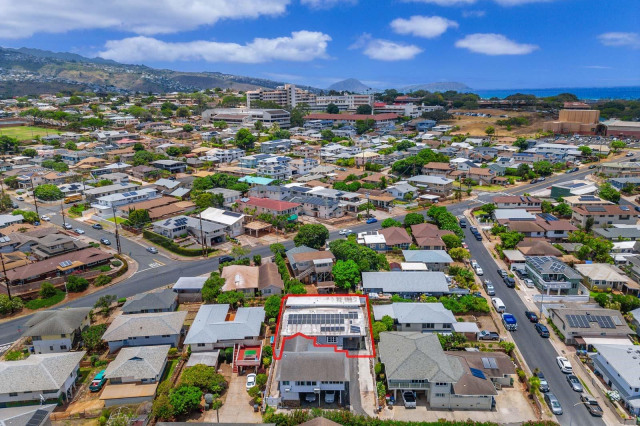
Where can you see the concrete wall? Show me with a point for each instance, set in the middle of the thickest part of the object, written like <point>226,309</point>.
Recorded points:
<point>51,345</point>
<point>142,341</point>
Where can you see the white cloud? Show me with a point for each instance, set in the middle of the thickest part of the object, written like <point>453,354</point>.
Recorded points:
<point>302,46</point>
<point>24,18</point>
<point>620,39</point>
<point>423,26</point>
<point>327,4</point>
<point>467,2</point>
<point>385,50</point>
<point>494,44</point>
<point>473,13</point>
<point>597,67</point>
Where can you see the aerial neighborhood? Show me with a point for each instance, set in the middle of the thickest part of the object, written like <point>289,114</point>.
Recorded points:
<point>240,256</point>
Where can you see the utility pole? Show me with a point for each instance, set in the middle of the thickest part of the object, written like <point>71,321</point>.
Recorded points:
<point>62,210</point>
<point>35,200</point>
<point>115,222</point>
<point>202,241</point>
<point>367,204</point>
<point>6,281</point>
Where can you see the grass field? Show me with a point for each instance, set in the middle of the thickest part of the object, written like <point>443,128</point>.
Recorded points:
<point>26,132</point>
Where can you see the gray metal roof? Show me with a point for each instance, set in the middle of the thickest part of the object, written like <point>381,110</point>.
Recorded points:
<point>54,322</point>
<point>162,299</point>
<point>551,265</point>
<point>140,362</point>
<point>210,325</point>
<point>407,313</point>
<point>302,361</point>
<point>38,372</point>
<point>293,251</point>
<point>415,356</point>
<point>152,324</point>
<point>406,282</point>
<point>189,283</point>
<point>623,359</point>
<point>33,415</point>
<point>427,256</point>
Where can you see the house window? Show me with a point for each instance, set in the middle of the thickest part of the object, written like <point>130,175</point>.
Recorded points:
<point>440,384</point>
<point>332,339</point>
<point>13,394</point>
<point>63,347</point>
<point>200,345</point>
<point>285,383</point>
<point>50,348</point>
<point>166,335</point>
<point>439,395</point>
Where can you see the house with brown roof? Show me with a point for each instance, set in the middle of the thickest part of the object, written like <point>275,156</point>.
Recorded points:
<point>396,238</point>
<point>428,237</point>
<point>481,175</point>
<point>440,169</point>
<point>312,266</point>
<point>90,162</point>
<point>528,228</point>
<point>604,215</point>
<point>537,247</point>
<point>249,280</point>
<point>555,229</point>
<point>269,206</point>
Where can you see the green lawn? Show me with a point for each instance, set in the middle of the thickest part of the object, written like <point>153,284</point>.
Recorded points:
<point>26,132</point>
<point>118,219</point>
<point>45,303</point>
<point>494,188</point>
<point>168,370</point>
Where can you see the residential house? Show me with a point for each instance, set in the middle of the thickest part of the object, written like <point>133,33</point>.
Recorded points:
<point>420,317</point>
<point>517,202</point>
<point>395,238</point>
<point>9,219</point>
<point>51,377</point>
<point>618,233</point>
<point>232,221</point>
<point>620,169</point>
<point>312,266</point>
<point>403,191</point>
<point>34,415</point>
<point>141,364</point>
<point>56,330</point>
<point>106,205</point>
<point>435,260</point>
<point>102,191</point>
<point>603,276</point>
<point>550,273</point>
<point>265,205</point>
<point>189,289</point>
<point>482,175</point>
<point>226,155</point>
<point>617,365</point>
<point>437,185</point>
<point>428,236</point>
<point>279,145</point>
<point>496,366</point>
<point>581,324</point>
<point>253,280</point>
<point>229,195</point>
<point>537,247</point>
<point>604,215</point>
<point>165,300</point>
<point>159,328</point>
<point>436,169</point>
<point>405,284</point>
<point>213,233</point>
<point>573,187</point>
<point>322,208</point>
<point>172,166</point>
<point>276,168</point>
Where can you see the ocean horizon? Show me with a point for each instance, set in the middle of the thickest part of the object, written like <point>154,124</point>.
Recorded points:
<point>585,93</point>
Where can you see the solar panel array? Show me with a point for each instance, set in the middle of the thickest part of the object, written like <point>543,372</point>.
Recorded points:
<point>65,263</point>
<point>582,321</point>
<point>477,373</point>
<point>625,208</point>
<point>596,209</point>
<point>548,216</point>
<point>321,318</point>
<point>578,321</point>
<point>129,194</point>
<point>181,221</point>
<point>489,363</point>
<point>588,198</point>
<point>332,328</point>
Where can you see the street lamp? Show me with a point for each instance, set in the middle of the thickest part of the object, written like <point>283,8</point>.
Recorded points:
<point>575,405</point>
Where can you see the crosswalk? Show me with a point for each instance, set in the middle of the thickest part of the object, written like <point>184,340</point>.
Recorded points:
<point>155,264</point>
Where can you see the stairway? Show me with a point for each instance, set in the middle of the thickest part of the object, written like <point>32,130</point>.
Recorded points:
<point>236,351</point>
<point>305,273</point>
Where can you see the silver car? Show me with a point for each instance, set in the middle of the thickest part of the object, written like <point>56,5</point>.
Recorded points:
<point>575,384</point>
<point>553,403</point>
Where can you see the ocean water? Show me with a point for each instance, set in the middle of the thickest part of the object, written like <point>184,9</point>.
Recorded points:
<point>585,93</point>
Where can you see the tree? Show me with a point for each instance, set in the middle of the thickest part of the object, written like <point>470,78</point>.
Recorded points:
<point>75,100</point>
<point>363,126</point>
<point>142,158</point>
<point>8,144</point>
<point>364,109</point>
<point>138,218</point>
<point>346,274</point>
<point>327,134</point>
<point>585,150</point>
<point>277,248</point>
<point>521,144</point>
<point>30,152</point>
<point>257,259</point>
<point>333,109</point>
<point>413,219</point>
<point>48,192</point>
<point>563,210</point>
<point>238,252</point>
<point>244,139</point>
<point>162,406</point>
<point>543,168</point>
<point>104,302</point>
<point>617,145</point>
<point>489,208</point>
<point>183,112</point>
<point>298,113</point>
<point>233,298</point>
<point>28,215</point>
<point>47,290</point>
<point>311,235</point>
<point>589,224</point>
<point>92,337</point>
<point>378,327</point>
<point>212,287</point>
<point>523,170</point>
<point>490,130</point>
<point>76,284</point>
<point>608,192</point>
<point>205,378</point>
<point>272,306</point>
<point>510,239</point>
<point>451,241</point>
<point>71,146</point>
<point>7,306</point>
<point>187,128</point>
<point>297,289</point>
<point>459,254</point>
<point>185,399</point>
<point>546,206</point>
<point>390,222</point>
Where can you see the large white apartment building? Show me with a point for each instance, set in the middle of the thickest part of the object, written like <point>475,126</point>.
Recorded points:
<point>285,95</point>
<point>247,117</point>
<point>344,102</point>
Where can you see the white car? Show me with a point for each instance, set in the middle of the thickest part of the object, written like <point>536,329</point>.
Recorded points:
<point>251,380</point>
<point>528,282</point>
<point>564,364</point>
<point>346,232</point>
<point>479,271</point>
<point>79,231</point>
<point>474,264</point>
<point>330,397</point>
<point>45,218</point>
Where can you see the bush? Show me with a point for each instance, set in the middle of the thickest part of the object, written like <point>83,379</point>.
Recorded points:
<point>185,399</point>
<point>205,378</point>
<point>122,300</point>
<point>45,303</point>
<point>47,290</point>
<point>170,245</point>
<point>92,337</point>
<point>76,284</point>
<point>173,351</point>
<point>102,280</point>
<point>116,263</point>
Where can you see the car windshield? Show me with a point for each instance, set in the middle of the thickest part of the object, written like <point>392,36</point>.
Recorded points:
<point>555,404</point>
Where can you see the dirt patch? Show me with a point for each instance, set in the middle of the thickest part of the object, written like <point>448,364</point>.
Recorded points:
<point>477,125</point>
<point>484,322</point>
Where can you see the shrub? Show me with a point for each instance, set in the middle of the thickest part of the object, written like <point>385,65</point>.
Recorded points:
<point>102,280</point>
<point>116,263</point>
<point>173,351</point>
<point>45,303</point>
<point>92,336</point>
<point>47,290</point>
<point>76,284</point>
<point>185,399</point>
<point>205,378</point>
<point>170,245</point>
<point>122,300</point>
<point>162,407</point>
<point>6,305</point>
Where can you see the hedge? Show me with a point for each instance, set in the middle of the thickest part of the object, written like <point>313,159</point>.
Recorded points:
<point>170,245</point>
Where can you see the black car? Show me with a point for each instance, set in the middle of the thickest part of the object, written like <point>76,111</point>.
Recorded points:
<point>96,226</point>
<point>473,229</point>
<point>225,259</point>
<point>510,282</point>
<point>463,223</point>
<point>542,330</point>
<point>105,241</point>
<point>521,273</point>
<point>478,236</point>
<point>593,166</point>
<point>531,316</point>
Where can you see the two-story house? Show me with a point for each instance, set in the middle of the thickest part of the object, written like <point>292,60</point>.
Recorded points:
<point>56,330</point>
<point>420,317</point>
<point>159,328</point>
<point>253,280</point>
<point>551,274</point>
<point>611,214</point>
<point>312,266</point>
<point>517,202</point>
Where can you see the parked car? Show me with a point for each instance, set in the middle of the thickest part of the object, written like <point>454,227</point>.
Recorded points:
<point>564,364</point>
<point>152,250</point>
<point>223,259</point>
<point>629,154</point>
<point>105,241</point>
<point>345,232</point>
<point>20,198</point>
<point>45,218</point>
<point>67,226</point>
<point>531,316</point>
<point>592,405</point>
<point>542,179</point>
<point>96,226</point>
<point>409,399</point>
<point>474,263</point>
<point>98,382</point>
<point>542,330</point>
<point>465,245</point>
<point>479,271</point>
<point>310,397</point>
<point>490,290</point>
<point>528,282</point>
<point>593,166</point>
<point>521,273</point>
<point>330,397</point>
<point>636,208</point>
<point>463,223</point>
<point>575,384</point>
<point>553,403</point>
<point>251,380</point>
<point>372,220</point>
<point>510,282</point>
<point>488,335</point>
<point>79,231</point>
<point>502,273</point>
<point>478,237</point>
<point>498,304</point>
<point>473,229</point>
<point>544,385</point>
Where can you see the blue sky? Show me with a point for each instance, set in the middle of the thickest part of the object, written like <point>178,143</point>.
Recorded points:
<point>486,44</point>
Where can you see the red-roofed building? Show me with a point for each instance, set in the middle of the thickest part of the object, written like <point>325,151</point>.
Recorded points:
<point>381,120</point>
<point>267,205</point>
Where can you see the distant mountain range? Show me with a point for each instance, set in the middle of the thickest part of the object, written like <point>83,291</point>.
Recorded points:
<point>349,85</point>
<point>437,87</point>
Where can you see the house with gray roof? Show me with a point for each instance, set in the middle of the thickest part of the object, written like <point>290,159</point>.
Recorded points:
<point>618,367</point>
<point>616,234</point>
<point>165,300</point>
<point>159,328</point>
<point>141,364</point>
<point>56,330</point>
<point>415,362</point>
<point>33,415</point>
<point>550,274</point>
<point>214,328</point>
<point>421,317</point>
<point>405,284</point>
<point>189,289</point>
<point>436,260</point>
<point>51,375</point>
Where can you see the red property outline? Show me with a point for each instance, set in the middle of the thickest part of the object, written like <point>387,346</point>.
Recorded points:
<point>278,357</point>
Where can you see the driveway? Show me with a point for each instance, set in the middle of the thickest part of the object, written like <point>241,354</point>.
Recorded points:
<point>237,407</point>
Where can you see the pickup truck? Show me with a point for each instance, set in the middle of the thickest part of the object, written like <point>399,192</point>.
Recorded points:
<point>592,405</point>
<point>509,321</point>
<point>488,335</point>
<point>409,399</point>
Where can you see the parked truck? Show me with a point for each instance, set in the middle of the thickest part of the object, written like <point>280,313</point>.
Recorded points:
<point>509,321</point>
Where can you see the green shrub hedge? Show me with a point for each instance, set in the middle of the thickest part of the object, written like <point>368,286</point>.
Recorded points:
<point>170,245</point>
